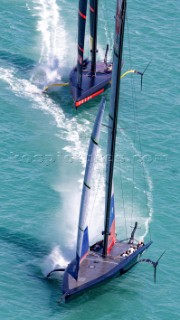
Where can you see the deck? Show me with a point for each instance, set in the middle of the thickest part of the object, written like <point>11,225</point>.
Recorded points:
<point>94,266</point>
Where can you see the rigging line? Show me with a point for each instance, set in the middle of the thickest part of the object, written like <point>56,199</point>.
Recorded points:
<point>133,177</point>
<point>123,205</point>
<point>135,121</point>
<point>133,165</point>
<point>137,131</point>
<point>107,17</point>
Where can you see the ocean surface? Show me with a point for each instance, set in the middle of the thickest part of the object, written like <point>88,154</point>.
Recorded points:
<point>43,149</point>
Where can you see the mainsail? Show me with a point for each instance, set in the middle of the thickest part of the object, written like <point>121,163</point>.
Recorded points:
<point>81,36</point>
<point>109,231</point>
<point>93,33</point>
<point>83,239</point>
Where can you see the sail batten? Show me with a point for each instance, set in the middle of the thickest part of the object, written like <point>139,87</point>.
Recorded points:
<point>112,125</point>
<point>82,238</point>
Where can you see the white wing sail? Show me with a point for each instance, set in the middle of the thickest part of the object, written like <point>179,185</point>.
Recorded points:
<point>82,238</point>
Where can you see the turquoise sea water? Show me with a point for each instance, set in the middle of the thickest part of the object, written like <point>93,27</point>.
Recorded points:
<point>43,150</point>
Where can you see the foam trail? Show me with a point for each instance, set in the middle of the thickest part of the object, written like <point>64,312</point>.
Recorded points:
<point>71,132</point>
<point>53,261</point>
<point>53,35</point>
<point>25,89</point>
<point>52,30</point>
<point>27,6</point>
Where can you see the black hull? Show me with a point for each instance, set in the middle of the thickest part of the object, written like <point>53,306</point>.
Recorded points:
<point>90,276</point>
<point>92,86</point>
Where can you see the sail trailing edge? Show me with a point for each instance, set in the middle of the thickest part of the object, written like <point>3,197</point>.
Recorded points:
<point>82,238</point>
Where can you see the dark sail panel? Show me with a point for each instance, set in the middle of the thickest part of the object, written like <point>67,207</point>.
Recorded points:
<point>81,36</point>
<point>93,33</point>
<point>113,114</point>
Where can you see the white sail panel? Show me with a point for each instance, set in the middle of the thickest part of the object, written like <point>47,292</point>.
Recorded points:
<point>93,145</point>
<point>82,238</point>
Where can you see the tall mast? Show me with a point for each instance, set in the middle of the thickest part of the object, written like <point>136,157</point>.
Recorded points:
<point>113,115</point>
<point>93,33</point>
<point>81,36</point>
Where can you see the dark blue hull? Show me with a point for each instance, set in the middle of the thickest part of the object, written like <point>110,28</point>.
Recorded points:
<point>92,86</point>
<point>103,269</point>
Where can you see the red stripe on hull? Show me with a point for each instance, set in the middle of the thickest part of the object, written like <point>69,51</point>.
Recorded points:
<point>78,103</point>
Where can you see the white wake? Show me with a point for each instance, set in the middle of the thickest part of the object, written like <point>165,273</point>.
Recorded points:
<point>53,42</point>
<point>53,261</point>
